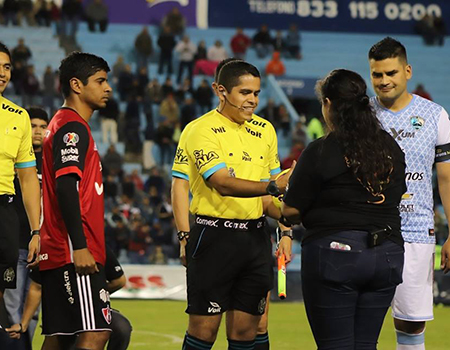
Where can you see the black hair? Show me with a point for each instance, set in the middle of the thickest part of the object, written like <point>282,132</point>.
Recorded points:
<point>37,113</point>
<point>79,65</point>
<point>357,129</point>
<point>4,49</point>
<point>221,64</point>
<point>231,72</point>
<point>388,48</point>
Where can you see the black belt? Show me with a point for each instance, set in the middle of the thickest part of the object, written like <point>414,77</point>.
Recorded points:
<point>230,224</point>
<point>6,199</point>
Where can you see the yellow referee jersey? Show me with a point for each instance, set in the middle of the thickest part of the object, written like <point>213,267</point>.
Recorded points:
<point>16,148</point>
<point>212,142</point>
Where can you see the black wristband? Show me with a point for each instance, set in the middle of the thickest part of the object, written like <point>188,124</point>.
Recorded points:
<point>283,221</point>
<point>182,235</point>
<point>35,233</point>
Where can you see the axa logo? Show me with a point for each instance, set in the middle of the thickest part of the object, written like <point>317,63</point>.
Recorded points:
<point>214,308</point>
<point>99,188</point>
<point>202,158</point>
<point>180,157</point>
<point>11,109</point>
<point>401,134</point>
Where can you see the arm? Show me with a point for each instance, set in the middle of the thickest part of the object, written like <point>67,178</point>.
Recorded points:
<point>180,202</point>
<point>443,176</point>
<point>31,194</point>
<point>115,285</point>
<point>290,213</point>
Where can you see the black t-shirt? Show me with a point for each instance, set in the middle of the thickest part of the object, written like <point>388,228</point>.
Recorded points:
<point>330,198</point>
<point>25,229</point>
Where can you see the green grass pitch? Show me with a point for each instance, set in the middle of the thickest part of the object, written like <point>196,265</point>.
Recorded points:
<point>160,325</point>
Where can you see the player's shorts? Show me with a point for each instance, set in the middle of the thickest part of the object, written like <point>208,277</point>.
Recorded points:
<point>72,303</point>
<point>229,266</point>
<point>9,243</point>
<point>413,300</point>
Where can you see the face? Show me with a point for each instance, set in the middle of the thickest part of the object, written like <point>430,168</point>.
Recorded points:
<point>38,128</point>
<point>245,96</point>
<point>5,71</point>
<point>389,78</point>
<point>97,91</point>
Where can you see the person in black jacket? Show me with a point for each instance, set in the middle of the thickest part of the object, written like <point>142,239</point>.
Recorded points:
<point>346,190</point>
<point>166,43</point>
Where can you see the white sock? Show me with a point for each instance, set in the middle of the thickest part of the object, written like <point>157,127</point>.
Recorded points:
<point>407,341</point>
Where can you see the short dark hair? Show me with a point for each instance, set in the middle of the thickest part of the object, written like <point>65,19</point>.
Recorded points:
<point>221,64</point>
<point>4,49</point>
<point>231,72</point>
<point>37,113</point>
<point>388,48</point>
<point>79,65</point>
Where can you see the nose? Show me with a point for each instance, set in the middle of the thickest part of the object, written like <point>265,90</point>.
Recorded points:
<point>384,80</point>
<point>2,71</point>
<point>108,88</point>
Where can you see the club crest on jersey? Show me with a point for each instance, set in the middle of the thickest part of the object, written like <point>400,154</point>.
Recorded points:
<point>71,139</point>
<point>417,122</point>
<point>106,311</point>
<point>9,275</point>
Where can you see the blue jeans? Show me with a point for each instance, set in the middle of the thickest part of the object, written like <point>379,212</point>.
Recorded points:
<point>15,298</point>
<point>348,292</point>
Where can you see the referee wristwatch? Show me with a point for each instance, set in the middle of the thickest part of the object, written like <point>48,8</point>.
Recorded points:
<point>182,235</point>
<point>284,233</point>
<point>272,189</point>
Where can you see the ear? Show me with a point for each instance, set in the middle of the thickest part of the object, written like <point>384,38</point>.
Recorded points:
<point>408,70</point>
<point>75,85</point>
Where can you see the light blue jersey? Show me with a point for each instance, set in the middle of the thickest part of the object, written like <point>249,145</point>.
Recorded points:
<point>418,129</point>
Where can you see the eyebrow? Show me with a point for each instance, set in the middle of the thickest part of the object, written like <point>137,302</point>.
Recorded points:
<point>249,91</point>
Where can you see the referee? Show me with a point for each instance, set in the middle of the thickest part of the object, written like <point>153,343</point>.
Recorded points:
<point>228,252</point>
<point>16,154</point>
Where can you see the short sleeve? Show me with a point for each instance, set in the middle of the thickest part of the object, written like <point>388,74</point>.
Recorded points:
<point>70,145</point>
<point>203,149</point>
<point>113,269</point>
<point>25,155</point>
<point>274,159</point>
<point>180,166</point>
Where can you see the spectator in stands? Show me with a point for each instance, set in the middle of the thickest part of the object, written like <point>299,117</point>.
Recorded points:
<point>294,154</point>
<point>175,21</point>
<point>167,88</point>
<point>188,111</point>
<point>275,66</point>
<point>441,30</point>
<point>139,242</point>
<point>137,180</point>
<point>125,83</point>
<point>71,12</point>
<point>97,13</point>
<point>263,42</point>
<point>109,116</point>
<point>133,144</point>
<point>202,51</point>
<point>21,53</point>
<point>315,129</point>
<point>56,17</point>
<point>217,52</point>
<point>240,43</point>
<point>25,9</point>
<point>128,187</point>
<point>111,187</point>
<point>49,89</point>
<point>299,134</point>
<point>163,139</point>
<point>9,11</point>
<point>166,43</point>
<point>144,47</point>
<point>270,112</point>
<point>43,13</point>
<point>183,89</point>
<point>30,87</point>
<point>425,27</point>
<point>117,69</point>
<point>420,90</point>
<point>117,235</point>
<point>112,162</point>
<point>279,43</point>
<point>204,96</point>
<point>143,80</point>
<point>18,75</point>
<point>155,180</point>
<point>292,42</point>
<point>157,257</point>
<point>186,51</point>
<point>169,109</point>
<point>284,120</point>
<point>154,91</point>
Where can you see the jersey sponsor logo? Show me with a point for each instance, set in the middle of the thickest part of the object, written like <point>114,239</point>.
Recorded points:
<point>104,295</point>
<point>402,134</point>
<point>214,308</point>
<point>262,305</point>
<point>68,287</point>
<point>207,222</point>
<point>413,176</point>
<point>70,158</point>
<point>257,123</point>
<point>253,133</point>
<point>106,311</point>
<point>406,208</point>
<point>9,275</point>
<point>71,150</point>
<point>246,157</point>
<point>99,188</point>
<point>180,157</point>
<point>202,159</point>
<point>417,122</point>
<point>220,130</point>
<point>71,139</point>
<point>43,257</point>
<point>11,109</point>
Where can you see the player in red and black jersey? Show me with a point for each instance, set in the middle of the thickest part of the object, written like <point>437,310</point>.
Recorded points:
<point>74,293</point>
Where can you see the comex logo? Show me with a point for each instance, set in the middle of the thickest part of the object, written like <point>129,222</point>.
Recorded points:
<point>214,308</point>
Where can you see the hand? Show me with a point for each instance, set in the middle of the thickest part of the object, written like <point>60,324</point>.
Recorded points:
<point>34,248</point>
<point>283,180</point>
<point>183,252</point>
<point>15,331</point>
<point>445,256</point>
<point>285,247</point>
<point>84,262</point>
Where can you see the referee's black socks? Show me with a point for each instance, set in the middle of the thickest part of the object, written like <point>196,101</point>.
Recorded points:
<point>262,342</point>
<point>193,343</point>
<point>241,345</point>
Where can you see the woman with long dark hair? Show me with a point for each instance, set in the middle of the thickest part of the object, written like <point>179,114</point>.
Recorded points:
<point>346,189</point>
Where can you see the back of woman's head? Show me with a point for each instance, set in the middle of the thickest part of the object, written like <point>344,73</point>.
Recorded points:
<point>354,124</point>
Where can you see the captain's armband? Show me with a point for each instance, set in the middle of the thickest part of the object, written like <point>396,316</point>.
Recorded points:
<point>442,153</point>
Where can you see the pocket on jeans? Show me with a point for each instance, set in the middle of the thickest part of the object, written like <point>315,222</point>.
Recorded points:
<point>395,261</point>
<point>338,266</point>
